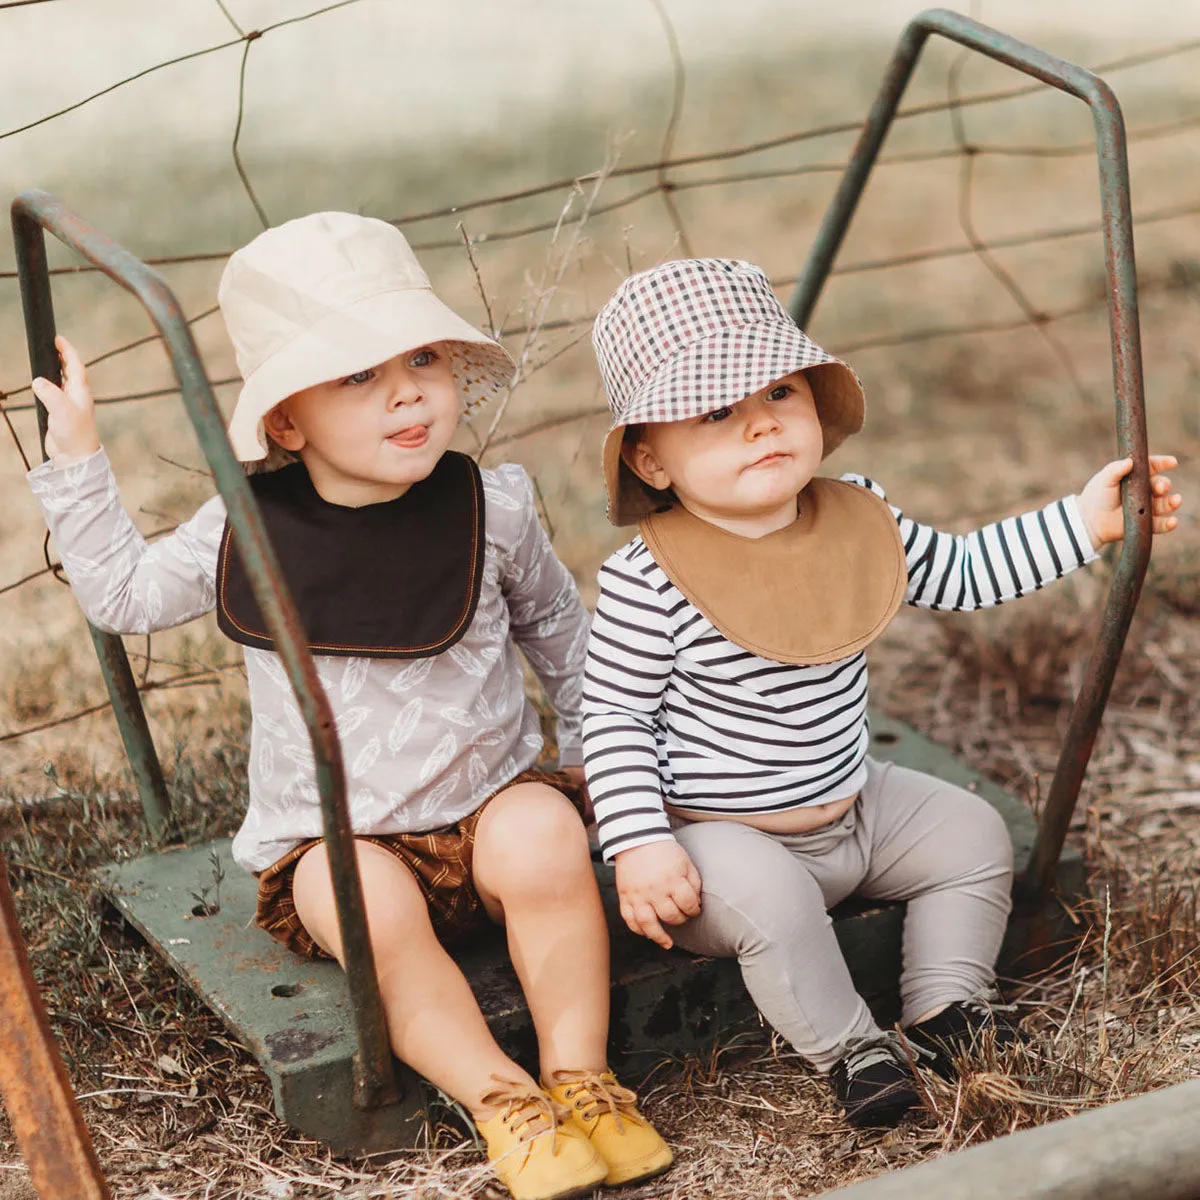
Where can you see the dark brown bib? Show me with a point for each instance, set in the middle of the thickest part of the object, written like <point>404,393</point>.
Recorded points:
<point>815,592</point>
<point>393,580</point>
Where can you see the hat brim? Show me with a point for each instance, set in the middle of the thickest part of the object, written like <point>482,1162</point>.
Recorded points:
<point>364,334</point>
<point>629,498</point>
<point>840,405</point>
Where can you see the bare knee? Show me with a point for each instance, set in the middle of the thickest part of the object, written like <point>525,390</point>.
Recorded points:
<point>530,839</point>
<point>397,915</point>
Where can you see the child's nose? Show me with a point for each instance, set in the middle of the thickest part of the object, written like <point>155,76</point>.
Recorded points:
<point>405,389</point>
<point>760,419</point>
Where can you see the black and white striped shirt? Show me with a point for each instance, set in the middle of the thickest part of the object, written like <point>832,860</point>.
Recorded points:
<point>672,710</point>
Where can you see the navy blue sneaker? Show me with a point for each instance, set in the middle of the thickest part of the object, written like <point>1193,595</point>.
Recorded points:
<point>874,1083</point>
<point>960,1028</point>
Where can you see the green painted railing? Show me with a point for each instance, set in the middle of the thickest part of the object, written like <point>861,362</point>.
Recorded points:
<point>34,213</point>
<point>1127,366</point>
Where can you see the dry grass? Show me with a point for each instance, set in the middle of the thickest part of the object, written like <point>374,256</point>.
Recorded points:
<point>177,1109</point>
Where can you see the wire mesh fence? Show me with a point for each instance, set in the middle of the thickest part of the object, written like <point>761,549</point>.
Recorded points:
<point>958,252</point>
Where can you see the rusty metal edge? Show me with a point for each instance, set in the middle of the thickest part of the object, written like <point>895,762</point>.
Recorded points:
<point>41,1103</point>
<point>38,307</point>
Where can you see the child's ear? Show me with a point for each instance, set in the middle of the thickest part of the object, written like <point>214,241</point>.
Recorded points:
<point>642,461</point>
<point>281,431</point>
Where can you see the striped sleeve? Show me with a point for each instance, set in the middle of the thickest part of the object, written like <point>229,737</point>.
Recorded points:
<point>629,661</point>
<point>1002,561</point>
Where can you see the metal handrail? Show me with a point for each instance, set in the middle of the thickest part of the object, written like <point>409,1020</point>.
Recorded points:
<point>34,212</point>
<point>1126,585</point>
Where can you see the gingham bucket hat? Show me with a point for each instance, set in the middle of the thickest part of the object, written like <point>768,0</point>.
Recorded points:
<point>691,336</point>
<point>324,296</point>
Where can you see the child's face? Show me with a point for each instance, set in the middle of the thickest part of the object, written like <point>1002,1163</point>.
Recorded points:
<point>368,438</point>
<point>742,466</point>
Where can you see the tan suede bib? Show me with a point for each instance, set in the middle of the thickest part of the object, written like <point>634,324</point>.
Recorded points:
<point>815,592</point>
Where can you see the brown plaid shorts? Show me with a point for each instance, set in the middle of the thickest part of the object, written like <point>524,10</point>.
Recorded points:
<point>440,861</point>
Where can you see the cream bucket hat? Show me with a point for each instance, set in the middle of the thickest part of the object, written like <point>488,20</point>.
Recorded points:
<point>690,336</point>
<point>326,295</point>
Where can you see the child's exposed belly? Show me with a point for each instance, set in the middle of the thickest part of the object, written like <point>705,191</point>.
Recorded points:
<point>794,820</point>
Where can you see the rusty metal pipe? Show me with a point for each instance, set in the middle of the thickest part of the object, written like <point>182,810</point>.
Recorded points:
<point>37,1093</point>
<point>32,212</point>
<point>1126,585</point>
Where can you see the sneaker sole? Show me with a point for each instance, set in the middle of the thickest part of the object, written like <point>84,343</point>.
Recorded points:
<point>575,1193</point>
<point>883,1115</point>
<point>653,1173</point>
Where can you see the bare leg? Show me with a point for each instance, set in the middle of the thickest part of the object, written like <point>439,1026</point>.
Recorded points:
<point>534,873</point>
<point>434,1021</point>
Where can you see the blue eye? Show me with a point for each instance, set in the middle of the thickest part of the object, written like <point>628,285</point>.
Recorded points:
<point>423,358</point>
<point>359,377</point>
<point>717,414</point>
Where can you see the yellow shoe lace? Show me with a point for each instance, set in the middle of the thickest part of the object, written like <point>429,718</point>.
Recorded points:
<point>596,1094</point>
<point>527,1112</point>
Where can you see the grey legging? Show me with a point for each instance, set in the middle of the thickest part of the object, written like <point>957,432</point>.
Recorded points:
<point>765,901</point>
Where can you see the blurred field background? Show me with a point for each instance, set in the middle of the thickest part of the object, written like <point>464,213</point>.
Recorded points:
<point>974,411</point>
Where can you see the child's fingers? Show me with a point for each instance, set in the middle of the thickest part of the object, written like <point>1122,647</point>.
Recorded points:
<point>686,895</point>
<point>641,920</point>
<point>1113,472</point>
<point>1164,503</point>
<point>668,912</point>
<point>74,372</point>
<point>648,926</point>
<point>50,394</point>
<point>1120,467</point>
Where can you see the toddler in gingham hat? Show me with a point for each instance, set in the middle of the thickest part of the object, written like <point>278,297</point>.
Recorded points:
<point>724,708</point>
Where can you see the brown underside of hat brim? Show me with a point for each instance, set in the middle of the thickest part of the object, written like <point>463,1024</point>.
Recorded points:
<point>629,499</point>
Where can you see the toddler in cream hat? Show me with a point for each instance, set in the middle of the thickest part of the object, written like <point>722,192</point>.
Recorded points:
<point>417,577</point>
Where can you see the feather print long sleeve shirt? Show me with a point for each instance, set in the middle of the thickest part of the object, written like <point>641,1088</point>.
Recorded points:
<point>424,740</point>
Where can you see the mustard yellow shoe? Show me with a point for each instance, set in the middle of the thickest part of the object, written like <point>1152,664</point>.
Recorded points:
<point>607,1112</point>
<point>536,1153</point>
